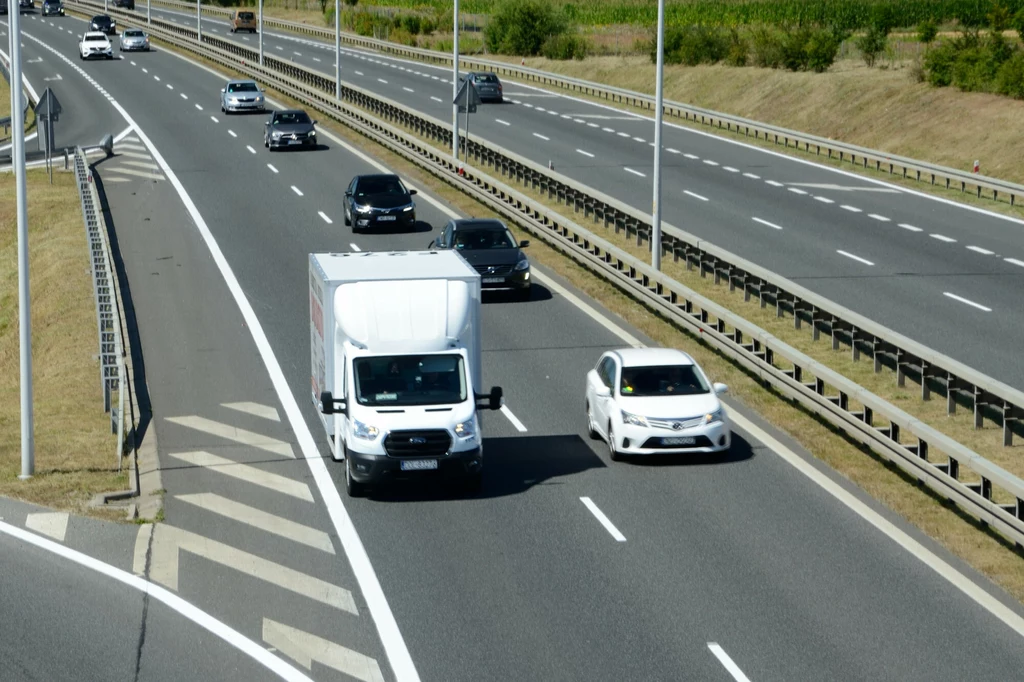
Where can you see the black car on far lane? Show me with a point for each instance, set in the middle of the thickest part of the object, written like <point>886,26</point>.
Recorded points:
<point>487,84</point>
<point>289,128</point>
<point>380,200</point>
<point>103,22</point>
<point>489,246</point>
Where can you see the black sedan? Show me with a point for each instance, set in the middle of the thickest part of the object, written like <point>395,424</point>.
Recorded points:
<point>102,22</point>
<point>52,8</point>
<point>487,84</point>
<point>491,249</point>
<point>289,128</point>
<point>124,4</point>
<point>379,201</point>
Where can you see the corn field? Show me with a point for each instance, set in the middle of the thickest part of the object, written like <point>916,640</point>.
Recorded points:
<point>852,14</point>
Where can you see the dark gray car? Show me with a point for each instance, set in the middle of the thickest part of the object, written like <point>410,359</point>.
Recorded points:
<point>289,128</point>
<point>487,84</point>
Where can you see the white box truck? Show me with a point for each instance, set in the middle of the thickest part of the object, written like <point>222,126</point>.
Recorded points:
<point>396,368</point>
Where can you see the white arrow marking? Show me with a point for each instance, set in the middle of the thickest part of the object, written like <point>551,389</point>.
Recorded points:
<point>249,474</point>
<point>305,648</point>
<point>55,78</point>
<point>237,435</point>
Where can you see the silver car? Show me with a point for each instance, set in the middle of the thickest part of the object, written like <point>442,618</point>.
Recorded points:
<point>134,39</point>
<point>242,95</point>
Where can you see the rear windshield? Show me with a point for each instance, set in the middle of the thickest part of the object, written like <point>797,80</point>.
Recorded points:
<point>242,87</point>
<point>246,16</point>
<point>666,380</point>
<point>101,20</point>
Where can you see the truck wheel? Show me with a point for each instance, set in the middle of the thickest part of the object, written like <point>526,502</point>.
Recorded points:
<point>353,487</point>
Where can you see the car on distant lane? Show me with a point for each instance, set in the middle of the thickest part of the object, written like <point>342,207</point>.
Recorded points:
<point>95,45</point>
<point>134,40</point>
<point>26,4</point>
<point>490,247</point>
<point>104,23</point>
<point>242,95</point>
<point>124,4</point>
<point>289,128</point>
<point>379,200</point>
<point>651,401</point>
<point>487,85</point>
<point>52,8</point>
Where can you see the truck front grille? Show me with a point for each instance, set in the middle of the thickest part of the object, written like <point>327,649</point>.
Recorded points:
<point>418,443</point>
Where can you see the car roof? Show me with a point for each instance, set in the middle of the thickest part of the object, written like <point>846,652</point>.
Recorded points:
<point>290,111</point>
<point>372,176</point>
<point>101,16</point>
<point>645,357</point>
<point>236,81</point>
<point>479,223</point>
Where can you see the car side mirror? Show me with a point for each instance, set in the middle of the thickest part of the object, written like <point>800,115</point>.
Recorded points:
<point>523,244</point>
<point>602,391</point>
<point>721,388</point>
<point>223,90</point>
<point>328,405</point>
<point>316,123</point>
<point>348,194</point>
<point>430,245</point>
<point>411,192</point>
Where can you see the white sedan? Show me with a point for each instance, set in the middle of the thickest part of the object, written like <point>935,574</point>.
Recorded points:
<point>647,401</point>
<point>95,45</point>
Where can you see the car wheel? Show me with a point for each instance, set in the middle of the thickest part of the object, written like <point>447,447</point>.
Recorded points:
<point>353,487</point>
<point>591,431</point>
<point>613,452</point>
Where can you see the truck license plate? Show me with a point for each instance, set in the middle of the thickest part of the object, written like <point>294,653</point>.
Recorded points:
<point>678,441</point>
<point>493,280</point>
<point>418,464</point>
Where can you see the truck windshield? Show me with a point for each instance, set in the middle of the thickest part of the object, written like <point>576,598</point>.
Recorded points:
<point>410,380</point>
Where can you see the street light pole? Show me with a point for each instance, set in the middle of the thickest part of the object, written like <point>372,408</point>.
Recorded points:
<point>149,11</point>
<point>260,31</point>
<point>455,84</point>
<point>656,218</point>
<point>28,464</point>
<point>337,50</point>
<point>199,19</point>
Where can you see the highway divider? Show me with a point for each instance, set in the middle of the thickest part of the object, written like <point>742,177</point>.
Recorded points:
<point>949,468</point>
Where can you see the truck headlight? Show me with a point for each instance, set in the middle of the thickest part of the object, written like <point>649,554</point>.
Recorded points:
<point>364,431</point>
<point>465,430</point>
<point>713,417</point>
<point>523,264</point>
<point>634,419</point>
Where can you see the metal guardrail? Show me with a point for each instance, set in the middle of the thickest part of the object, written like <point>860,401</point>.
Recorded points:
<point>108,309</point>
<point>908,168</point>
<point>930,456</point>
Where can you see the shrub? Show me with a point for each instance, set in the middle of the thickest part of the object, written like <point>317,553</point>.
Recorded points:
<point>926,31</point>
<point>565,46</point>
<point>1018,23</point>
<point>427,26</point>
<point>692,45</point>
<point>767,47</point>
<point>822,48</point>
<point>521,27</point>
<point>1010,78</point>
<point>872,44</point>
<point>402,36</point>
<point>794,49</point>
<point>739,49</point>
<point>999,18</point>
<point>938,64</point>
<point>362,23</point>
<point>410,23</point>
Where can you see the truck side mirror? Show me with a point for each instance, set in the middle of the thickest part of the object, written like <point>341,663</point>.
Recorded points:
<point>496,399</point>
<point>328,405</point>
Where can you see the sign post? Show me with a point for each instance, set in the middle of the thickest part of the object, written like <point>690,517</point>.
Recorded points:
<point>467,99</point>
<point>47,111</point>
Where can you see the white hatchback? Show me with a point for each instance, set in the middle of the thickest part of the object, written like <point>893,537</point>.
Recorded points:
<point>647,401</point>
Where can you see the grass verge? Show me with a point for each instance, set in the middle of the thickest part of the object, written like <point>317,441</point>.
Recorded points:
<point>74,449</point>
<point>980,547</point>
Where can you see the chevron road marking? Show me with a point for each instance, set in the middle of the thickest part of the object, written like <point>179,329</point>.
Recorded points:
<point>256,440</point>
<point>305,648</point>
<point>53,524</point>
<point>249,474</point>
<point>168,541</point>
<point>135,155</point>
<point>140,174</point>
<point>264,411</point>
<point>257,518</point>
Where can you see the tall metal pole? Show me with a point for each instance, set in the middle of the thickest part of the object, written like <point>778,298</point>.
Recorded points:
<point>455,84</point>
<point>656,222</point>
<point>149,11</point>
<point>260,32</point>
<point>337,50</point>
<point>199,19</point>
<point>28,464</point>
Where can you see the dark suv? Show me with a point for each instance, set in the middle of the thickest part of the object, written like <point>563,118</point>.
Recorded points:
<point>103,23</point>
<point>124,4</point>
<point>53,7</point>
<point>491,248</point>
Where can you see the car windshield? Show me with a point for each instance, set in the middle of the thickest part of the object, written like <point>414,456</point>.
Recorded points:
<point>134,34</point>
<point>246,16</point>
<point>95,39</point>
<point>410,380</point>
<point>648,382</point>
<point>369,186</point>
<point>101,20</point>
<point>242,87</point>
<point>479,239</point>
<point>291,117</point>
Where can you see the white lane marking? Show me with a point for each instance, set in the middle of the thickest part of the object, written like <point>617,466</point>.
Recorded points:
<point>634,172</point>
<point>355,248</point>
<point>184,96</point>
<point>296,190</point>
<point>214,119</point>
<point>585,153</point>
<point>257,518</point>
<point>130,145</point>
<point>272,168</point>
<point>279,47</point>
<point>1014,261</point>
<point>244,472</point>
<point>541,109</point>
<point>325,218</point>
<point>142,164</point>
<point>145,70</point>
<point>236,639</point>
<point>567,117</point>
<point>297,54</point>
<point>156,77</point>
<point>765,222</point>
<point>942,238</point>
<point>694,195</point>
<point>232,133</point>
<point>967,301</point>
<point>752,176</point>
<point>504,123</point>
<point>905,226</point>
<point>710,162</point>
<point>133,64</point>
<point>795,190</point>
<point>880,218</point>
<point>306,648</point>
<point>774,183</point>
<point>251,150</point>
<point>673,151</point>
<point>622,134</point>
<point>599,515</point>
<point>593,125</point>
<point>607,130</point>
<point>408,89</point>
<point>200,108</point>
<point>727,662</point>
<point>359,73</point>
<point>138,174</point>
<point>731,169</point>
<point>512,418</point>
<point>436,99</point>
<point>316,59</point>
<point>824,200</point>
<point>255,409</point>
<point>639,139</point>
<point>124,135</point>
<point>978,249</point>
<point>170,87</point>
<point>228,432</point>
<point>546,139</point>
<point>382,81</point>
<point>856,258</point>
<point>852,209</point>
<point>53,524</point>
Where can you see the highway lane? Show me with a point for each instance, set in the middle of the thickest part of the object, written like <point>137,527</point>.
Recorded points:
<point>533,561</point>
<point>946,274</point>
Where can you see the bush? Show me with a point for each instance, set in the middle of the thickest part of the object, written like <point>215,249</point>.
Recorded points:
<point>938,64</point>
<point>565,46</point>
<point>872,44</point>
<point>410,23</point>
<point>822,48</point>
<point>739,49</point>
<point>362,23</point>
<point>402,36</point>
<point>1018,23</point>
<point>427,26</point>
<point>692,45</point>
<point>794,49</point>
<point>926,31</point>
<point>1010,79</point>
<point>999,18</point>
<point>767,47</point>
<point>520,27</point>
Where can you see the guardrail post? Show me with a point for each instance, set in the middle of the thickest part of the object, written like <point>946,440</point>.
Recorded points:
<point>877,346</point>
<point>926,374</point>
<point>979,407</point>
<point>901,372</point>
<point>951,390</point>
<point>1008,420</point>
<point>854,350</point>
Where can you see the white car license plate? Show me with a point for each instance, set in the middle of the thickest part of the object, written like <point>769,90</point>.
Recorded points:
<point>678,441</point>
<point>418,464</point>
<point>386,217</point>
<point>493,280</point>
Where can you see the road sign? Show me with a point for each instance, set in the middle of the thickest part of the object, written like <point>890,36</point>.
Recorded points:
<point>48,106</point>
<point>467,97</point>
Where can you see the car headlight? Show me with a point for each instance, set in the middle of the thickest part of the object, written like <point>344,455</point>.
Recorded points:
<point>233,100</point>
<point>312,133</point>
<point>634,419</point>
<point>363,209</point>
<point>408,208</point>
<point>465,430</point>
<point>276,134</point>
<point>364,431</point>
<point>523,264</point>
<point>713,417</point>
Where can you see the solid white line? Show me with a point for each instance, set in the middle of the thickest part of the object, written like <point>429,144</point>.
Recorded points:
<point>727,662</point>
<point>236,639</point>
<point>978,249</point>
<point>905,226</point>
<point>585,153</point>
<point>880,218</point>
<point>1014,261</point>
<point>324,216</point>
<point>856,258</point>
<point>504,123</point>
<point>852,209</point>
<point>272,168</point>
<point>942,238</point>
<point>765,222</point>
<point>546,139</point>
<point>599,515</point>
<point>634,172</point>
<point>795,190</point>
<point>123,134</point>
<point>296,190</point>
<point>694,195</point>
<point>232,133</point>
<point>967,301</point>
<point>355,248</point>
<point>408,89</point>
<point>512,418</point>
<point>249,147</point>
<point>824,200</point>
